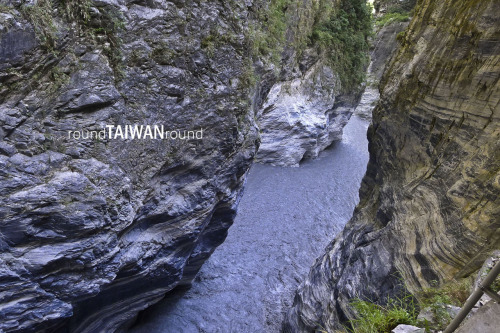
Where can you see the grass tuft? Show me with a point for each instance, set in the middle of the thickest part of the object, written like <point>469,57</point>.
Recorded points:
<point>454,293</point>
<point>374,318</point>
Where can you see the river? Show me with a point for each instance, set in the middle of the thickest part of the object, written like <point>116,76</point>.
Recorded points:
<point>285,219</point>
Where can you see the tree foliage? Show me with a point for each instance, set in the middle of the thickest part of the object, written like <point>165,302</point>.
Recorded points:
<point>344,38</point>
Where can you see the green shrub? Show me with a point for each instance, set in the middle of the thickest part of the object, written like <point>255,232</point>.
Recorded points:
<point>391,6</point>
<point>101,28</point>
<point>77,10</point>
<point>374,318</point>
<point>344,39</point>
<point>39,14</point>
<point>454,293</point>
<point>267,37</point>
<point>495,286</point>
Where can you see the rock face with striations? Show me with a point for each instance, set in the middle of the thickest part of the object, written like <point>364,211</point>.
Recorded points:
<point>94,230</point>
<point>384,46</point>
<point>299,117</point>
<point>430,200</point>
<point>306,108</point>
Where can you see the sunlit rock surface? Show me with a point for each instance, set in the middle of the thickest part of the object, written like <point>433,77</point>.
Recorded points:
<point>298,119</point>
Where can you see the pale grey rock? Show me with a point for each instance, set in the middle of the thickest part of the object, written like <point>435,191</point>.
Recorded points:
<point>407,329</point>
<point>298,119</point>
<point>485,320</point>
<point>368,101</point>
<point>427,314</point>
<point>452,310</point>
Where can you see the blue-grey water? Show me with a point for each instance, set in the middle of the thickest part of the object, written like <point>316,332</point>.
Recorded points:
<point>286,218</point>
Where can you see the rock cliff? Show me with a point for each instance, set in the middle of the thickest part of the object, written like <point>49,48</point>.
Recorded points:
<point>95,229</point>
<point>299,117</point>
<point>384,46</point>
<point>319,83</point>
<point>430,201</point>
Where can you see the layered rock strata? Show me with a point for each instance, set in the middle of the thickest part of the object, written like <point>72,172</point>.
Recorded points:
<point>94,230</point>
<point>384,45</point>
<point>430,201</point>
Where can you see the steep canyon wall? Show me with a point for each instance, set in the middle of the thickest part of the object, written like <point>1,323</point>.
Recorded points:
<point>430,200</point>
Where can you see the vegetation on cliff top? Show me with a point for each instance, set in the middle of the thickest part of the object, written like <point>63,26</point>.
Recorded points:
<point>343,36</point>
<point>391,6</point>
<point>339,30</point>
<point>392,18</point>
<point>100,26</point>
<point>267,34</point>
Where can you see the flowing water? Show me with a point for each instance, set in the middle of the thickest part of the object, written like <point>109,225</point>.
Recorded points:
<point>286,218</point>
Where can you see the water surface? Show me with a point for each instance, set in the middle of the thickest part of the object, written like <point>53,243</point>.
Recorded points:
<point>286,218</point>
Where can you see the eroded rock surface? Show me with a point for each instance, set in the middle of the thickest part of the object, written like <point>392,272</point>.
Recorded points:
<point>384,45</point>
<point>93,231</point>
<point>430,201</point>
<point>298,119</point>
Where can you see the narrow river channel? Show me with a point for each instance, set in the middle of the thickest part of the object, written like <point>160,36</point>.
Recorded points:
<point>285,219</point>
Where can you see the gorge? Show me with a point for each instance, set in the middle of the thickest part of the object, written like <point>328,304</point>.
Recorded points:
<point>95,231</point>
<point>429,202</point>
<point>285,219</point>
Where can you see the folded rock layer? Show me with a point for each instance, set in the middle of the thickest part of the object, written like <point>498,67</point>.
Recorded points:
<point>430,201</point>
